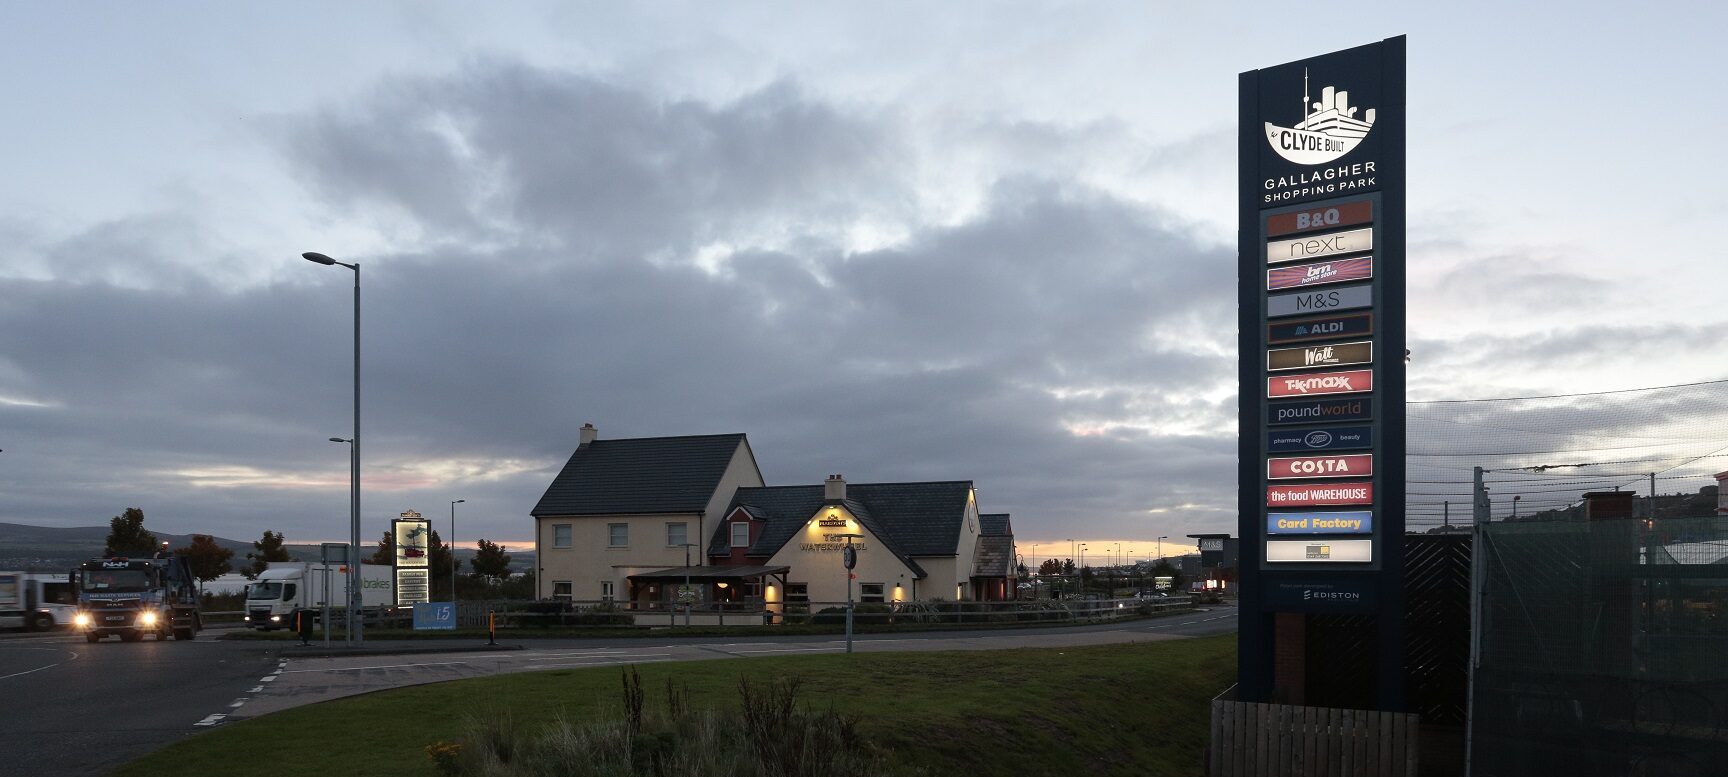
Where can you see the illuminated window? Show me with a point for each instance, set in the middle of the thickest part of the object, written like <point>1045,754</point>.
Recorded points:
<point>560,535</point>
<point>741,534</point>
<point>677,534</point>
<point>870,592</point>
<point>617,535</point>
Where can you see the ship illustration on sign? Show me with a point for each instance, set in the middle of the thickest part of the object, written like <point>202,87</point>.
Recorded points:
<point>1329,128</point>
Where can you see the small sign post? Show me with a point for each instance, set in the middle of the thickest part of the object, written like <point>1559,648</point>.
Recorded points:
<point>849,558</point>
<point>330,553</point>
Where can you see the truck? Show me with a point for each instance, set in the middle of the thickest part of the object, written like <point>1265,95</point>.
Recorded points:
<point>36,601</point>
<point>285,587</point>
<point>134,597</point>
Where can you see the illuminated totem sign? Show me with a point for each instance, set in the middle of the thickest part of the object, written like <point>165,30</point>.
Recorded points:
<point>412,537</point>
<point>1320,290</point>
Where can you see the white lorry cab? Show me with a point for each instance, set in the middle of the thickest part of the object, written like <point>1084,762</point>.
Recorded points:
<point>288,586</point>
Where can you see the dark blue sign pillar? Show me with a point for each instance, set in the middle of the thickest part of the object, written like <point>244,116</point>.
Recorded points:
<point>1321,263</point>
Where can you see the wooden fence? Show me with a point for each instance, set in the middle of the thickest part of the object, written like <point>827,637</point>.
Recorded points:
<point>1286,740</point>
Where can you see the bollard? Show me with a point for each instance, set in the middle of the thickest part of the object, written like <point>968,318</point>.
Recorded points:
<point>491,628</point>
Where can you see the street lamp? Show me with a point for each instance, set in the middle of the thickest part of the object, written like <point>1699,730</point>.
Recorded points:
<point>353,563</point>
<point>354,620</point>
<point>686,589</point>
<point>1515,499</point>
<point>454,565</point>
<point>848,558</point>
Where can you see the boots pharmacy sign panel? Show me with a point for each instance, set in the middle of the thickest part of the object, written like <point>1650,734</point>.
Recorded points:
<point>1320,290</point>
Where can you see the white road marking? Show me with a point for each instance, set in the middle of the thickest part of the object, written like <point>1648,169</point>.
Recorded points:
<point>237,702</point>
<point>211,720</point>
<point>385,666</point>
<point>27,671</point>
<point>602,662</point>
<point>790,650</point>
<point>257,689</point>
<point>270,679</point>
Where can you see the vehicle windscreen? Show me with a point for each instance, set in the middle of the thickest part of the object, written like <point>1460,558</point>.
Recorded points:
<point>115,580</point>
<point>271,591</point>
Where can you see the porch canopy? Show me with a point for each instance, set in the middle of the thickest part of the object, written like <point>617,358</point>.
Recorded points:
<point>717,584</point>
<point>710,574</point>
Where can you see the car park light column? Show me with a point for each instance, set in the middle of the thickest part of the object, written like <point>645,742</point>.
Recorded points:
<point>354,620</point>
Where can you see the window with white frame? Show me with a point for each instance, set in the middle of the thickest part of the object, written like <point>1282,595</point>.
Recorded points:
<point>608,590</point>
<point>561,589</point>
<point>741,534</point>
<point>560,535</point>
<point>677,534</point>
<point>797,592</point>
<point>870,592</point>
<point>617,535</point>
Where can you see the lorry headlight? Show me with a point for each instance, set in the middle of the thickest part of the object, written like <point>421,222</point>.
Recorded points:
<point>148,618</point>
<point>81,619</point>
<point>275,619</point>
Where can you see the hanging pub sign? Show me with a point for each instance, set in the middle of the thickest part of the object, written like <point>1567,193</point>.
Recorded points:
<point>1320,295</point>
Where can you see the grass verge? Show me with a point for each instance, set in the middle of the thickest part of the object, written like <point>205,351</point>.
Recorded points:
<point>1116,709</point>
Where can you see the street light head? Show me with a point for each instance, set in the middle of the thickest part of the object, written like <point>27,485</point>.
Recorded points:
<point>340,439</point>
<point>314,256</point>
<point>459,501</point>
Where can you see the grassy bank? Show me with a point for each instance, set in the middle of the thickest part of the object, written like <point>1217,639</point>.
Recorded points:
<point>1118,709</point>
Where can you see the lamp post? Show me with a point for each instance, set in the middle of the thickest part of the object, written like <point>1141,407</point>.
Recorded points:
<point>348,620</point>
<point>454,564</point>
<point>1515,499</point>
<point>354,634</point>
<point>1080,572</point>
<point>686,589</point>
<point>1161,539</point>
<point>848,559</point>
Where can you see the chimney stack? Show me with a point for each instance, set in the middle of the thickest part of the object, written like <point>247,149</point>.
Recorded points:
<point>589,433</point>
<point>835,489</point>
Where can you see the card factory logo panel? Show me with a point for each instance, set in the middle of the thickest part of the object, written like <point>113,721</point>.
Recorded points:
<point>1321,328</point>
<point>1298,303</point>
<point>1339,355</point>
<point>1344,214</point>
<point>1320,494</point>
<point>1342,438</point>
<point>1318,411</point>
<point>1350,522</point>
<point>1328,130</point>
<point>1347,382</point>
<point>1319,274</point>
<point>1354,465</point>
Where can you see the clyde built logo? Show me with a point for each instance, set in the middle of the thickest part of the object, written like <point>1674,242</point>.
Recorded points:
<point>1328,130</point>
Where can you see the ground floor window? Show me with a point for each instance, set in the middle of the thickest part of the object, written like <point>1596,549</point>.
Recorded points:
<point>608,590</point>
<point>561,589</point>
<point>797,592</point>
<point>869,593</point>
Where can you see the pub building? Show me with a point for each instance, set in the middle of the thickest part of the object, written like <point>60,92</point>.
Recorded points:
<point>629,521</point>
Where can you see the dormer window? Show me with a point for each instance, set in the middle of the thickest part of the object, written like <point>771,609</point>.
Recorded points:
<point>740,534</point>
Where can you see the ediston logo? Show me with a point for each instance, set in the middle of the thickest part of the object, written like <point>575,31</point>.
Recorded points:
<point>1328,130</point>
<point>1325,328</point>
<point>1318,410</point>
<point>1309,594</point>
<point>1348,382</point>
<point>1335,271</point>
<point>1323,494</point>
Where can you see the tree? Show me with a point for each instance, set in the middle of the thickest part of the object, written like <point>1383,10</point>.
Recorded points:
<point>265,550</point>
<point>207,559</point>
<point>442,560</point>
<point>491,562</point>
<point>1068,566</point>
<point>1050,568</point>
<point>127,535</point>
<point>386,552</point>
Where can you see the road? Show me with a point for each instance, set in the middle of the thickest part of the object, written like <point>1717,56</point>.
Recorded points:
<point>78,709</point>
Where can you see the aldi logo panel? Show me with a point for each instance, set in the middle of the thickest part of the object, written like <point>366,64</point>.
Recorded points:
<point>1320,328</point>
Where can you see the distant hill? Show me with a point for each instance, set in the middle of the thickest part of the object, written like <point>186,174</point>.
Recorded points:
<point>50,547</point>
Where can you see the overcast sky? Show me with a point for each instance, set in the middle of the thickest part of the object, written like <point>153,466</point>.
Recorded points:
<point>899,241</point>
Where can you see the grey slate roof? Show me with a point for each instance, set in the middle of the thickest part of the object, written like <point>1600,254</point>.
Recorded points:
<point>995,557</point>
<point>642,475</point>
<point>994,525</point>
<point>911,519</point>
